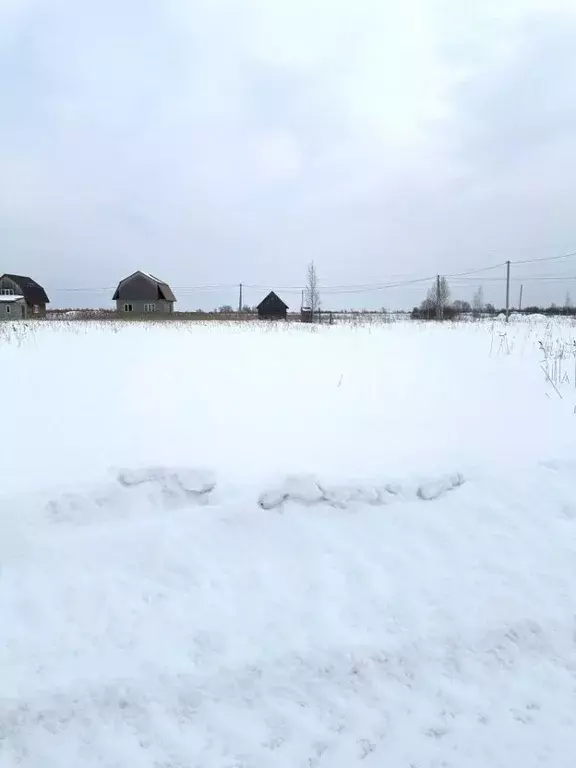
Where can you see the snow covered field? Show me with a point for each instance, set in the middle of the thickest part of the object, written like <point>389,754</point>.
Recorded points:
<point>236,546</point>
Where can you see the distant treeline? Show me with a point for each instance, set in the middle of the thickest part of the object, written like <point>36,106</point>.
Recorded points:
<point>456,309</point>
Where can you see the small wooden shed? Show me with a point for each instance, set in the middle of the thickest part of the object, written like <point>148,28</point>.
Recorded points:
<point>272,308</point>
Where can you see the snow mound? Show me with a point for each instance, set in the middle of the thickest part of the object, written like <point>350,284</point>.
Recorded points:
<point>436,488</point>
<point>131,490</point>
<point>190,481</point>
<point>308,490</point>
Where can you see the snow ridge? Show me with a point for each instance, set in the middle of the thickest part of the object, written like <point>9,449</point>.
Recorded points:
<point>308,490</point>
<point>160,487</point>
<point>178,487</point>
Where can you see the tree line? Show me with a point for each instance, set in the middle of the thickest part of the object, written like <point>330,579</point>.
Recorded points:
<point>437,305</point>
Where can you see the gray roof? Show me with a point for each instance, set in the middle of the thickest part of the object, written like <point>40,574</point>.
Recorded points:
<point>30,289</point>
<point>164,290</point>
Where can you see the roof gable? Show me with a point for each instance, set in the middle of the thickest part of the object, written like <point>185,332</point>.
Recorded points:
<point>272,301</point>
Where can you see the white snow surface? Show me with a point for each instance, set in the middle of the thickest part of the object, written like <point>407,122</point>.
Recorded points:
<point>244,546</point>
<point>10,299</point>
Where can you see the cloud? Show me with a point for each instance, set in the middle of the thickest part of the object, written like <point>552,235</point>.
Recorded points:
<point>214,141</point>
<point>520,104</point>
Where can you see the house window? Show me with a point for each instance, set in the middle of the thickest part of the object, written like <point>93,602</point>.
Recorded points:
<point>128,308</point>
<point>36,309</point>
<point>149,307</point>
<point>7,292</point>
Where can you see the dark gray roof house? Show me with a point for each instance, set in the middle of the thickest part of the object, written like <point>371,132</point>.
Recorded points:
<point>34,295</point>
<point>142,293</point>
<point>272,308</point>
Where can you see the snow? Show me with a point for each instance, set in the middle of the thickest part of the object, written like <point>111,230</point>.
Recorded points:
<point>283,545</point>
<point>5,299</point>
<point>309,490</point>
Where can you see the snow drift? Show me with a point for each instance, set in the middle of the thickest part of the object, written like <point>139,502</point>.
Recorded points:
<point>349,567</point>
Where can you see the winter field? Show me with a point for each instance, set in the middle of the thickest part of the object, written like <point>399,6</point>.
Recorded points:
<point>283,546</point>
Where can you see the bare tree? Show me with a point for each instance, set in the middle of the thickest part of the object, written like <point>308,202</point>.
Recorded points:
<point>439,296</point>
<point>428,306</point>
<point>311,292</point>
<point>568,301</point>
<point>478,301</point>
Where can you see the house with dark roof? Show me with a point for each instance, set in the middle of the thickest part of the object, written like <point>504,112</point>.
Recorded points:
<point>142,293</point>
<point>34,295</point>
<point>272,308</point>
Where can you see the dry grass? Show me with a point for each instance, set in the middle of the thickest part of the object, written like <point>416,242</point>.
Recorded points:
<point>327,318</point>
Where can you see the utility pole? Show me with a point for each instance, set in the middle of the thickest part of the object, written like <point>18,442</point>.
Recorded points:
<point>240,299</point>
<point>302,302</point>
<point>439,307</point>
<point>520,302</point>
<point>507,290</point>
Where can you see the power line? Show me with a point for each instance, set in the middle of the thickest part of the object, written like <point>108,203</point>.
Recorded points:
<point>545,258</point>
<point>476,271</point>
<point>375,286</point>
<point>524,278</point>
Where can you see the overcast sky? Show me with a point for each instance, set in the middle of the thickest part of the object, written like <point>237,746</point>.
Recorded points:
<point>218,141</point>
